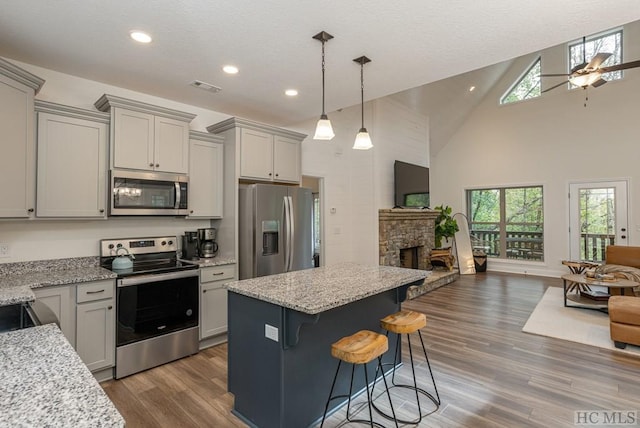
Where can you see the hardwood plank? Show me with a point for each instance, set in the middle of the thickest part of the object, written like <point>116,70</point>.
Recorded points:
<point>489,373</point>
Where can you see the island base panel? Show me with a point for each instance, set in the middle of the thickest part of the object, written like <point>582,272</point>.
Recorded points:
<point>285,384</point>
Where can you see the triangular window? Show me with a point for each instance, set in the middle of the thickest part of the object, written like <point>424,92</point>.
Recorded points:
<point>527,87</point>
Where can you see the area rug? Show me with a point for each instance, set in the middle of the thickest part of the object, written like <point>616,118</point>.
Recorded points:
<point>550,318</point>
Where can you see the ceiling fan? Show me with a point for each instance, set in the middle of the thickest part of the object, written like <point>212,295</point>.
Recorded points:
<point>590,74</point>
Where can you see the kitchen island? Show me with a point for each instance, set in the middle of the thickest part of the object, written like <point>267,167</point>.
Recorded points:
<point>281,328</point>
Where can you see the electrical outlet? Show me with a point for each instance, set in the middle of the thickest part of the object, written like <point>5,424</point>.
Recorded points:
<point>5,250</point>
<point>271,332</point>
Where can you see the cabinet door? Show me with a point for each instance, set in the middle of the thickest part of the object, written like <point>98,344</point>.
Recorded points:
<point>213,299</point>
<point>205,179</point>
<point>61,301</point>
<point>96,333</point>
<point>256,155</point>
<point>133,139</point>
<point>214,309</point>
<point>71,167</point>
<point>17,149</point>
<point>171,152</point>
<point>286,159</point>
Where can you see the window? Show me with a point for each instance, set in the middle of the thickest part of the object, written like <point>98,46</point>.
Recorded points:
<point>527,87</point>
<point>507,222</point>
<point>610,43</point>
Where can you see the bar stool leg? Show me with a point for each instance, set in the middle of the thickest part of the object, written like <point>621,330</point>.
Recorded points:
<point>333,384</point>
<point>418,390</point>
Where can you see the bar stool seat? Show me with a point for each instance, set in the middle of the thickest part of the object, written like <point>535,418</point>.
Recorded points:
<point>407,322</point>
<point>359,348</point>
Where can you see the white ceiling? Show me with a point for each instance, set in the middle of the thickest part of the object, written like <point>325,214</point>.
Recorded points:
<point>410,42</point>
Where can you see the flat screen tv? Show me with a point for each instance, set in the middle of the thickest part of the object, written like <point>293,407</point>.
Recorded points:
<point>411,185</point>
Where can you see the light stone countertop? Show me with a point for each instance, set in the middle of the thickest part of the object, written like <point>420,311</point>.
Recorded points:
<point>17,288</point>
<point>44,383</point>
<point>320,289</point>
<point>212,261</point>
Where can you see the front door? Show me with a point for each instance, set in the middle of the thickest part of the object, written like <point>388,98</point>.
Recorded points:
<point>598,217</point>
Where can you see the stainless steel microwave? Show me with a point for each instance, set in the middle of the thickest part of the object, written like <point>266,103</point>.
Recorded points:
<point>148,193</point>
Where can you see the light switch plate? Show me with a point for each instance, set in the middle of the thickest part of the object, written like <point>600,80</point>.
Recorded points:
<point>5,250</point>
<point>271,332</point>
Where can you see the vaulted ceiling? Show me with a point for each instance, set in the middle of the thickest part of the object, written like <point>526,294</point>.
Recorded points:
<point>411,43</point>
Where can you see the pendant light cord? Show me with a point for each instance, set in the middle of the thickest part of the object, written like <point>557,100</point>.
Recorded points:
<point>323,112</point>
<point>362,91</point>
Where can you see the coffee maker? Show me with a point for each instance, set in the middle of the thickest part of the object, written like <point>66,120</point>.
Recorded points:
<point>207,246</point>
<point>190,245</point>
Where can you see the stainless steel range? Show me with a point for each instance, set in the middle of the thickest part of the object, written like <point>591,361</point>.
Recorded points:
<point>157,302</point>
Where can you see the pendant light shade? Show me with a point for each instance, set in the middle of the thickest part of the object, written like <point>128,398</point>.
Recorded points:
<point>363,140</point>
<point>324,130</point>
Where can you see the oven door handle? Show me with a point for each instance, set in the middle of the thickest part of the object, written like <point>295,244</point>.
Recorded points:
<point>156,277</point>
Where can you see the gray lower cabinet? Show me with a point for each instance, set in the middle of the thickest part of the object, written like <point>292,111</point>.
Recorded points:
<point>213,299</point>
<point>86,313</point>
<point>62,302</point>
<point>96,321</point>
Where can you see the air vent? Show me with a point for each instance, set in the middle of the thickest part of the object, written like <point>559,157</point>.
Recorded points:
<point>206,86</point>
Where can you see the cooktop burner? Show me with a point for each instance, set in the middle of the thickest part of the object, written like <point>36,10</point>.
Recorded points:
<point>149,255</point>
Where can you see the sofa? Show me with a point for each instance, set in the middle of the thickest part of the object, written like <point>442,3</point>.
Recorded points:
<point>624,311</point>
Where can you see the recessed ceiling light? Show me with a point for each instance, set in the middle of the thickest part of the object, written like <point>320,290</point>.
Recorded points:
<point>230,69</point>
<point>291,92</point>
<point>472,88</point>
<point>140,36</point>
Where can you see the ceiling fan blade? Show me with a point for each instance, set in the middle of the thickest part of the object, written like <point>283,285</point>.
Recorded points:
<point>598,82</point>
<point>555,75</point>
<point>598,59</point>
<point>579,67</point>
<point>554,86</point>
<point>632,64</point>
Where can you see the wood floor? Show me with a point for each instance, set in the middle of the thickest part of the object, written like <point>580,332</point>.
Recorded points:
<point>489,373</point>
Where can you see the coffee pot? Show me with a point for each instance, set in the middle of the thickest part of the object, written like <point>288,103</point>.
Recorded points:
<point>207,246</point>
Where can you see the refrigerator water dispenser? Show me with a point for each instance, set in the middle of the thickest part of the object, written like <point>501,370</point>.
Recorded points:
<point>270,232</point>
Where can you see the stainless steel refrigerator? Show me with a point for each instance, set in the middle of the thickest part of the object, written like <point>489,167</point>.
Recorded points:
<point>275,232</point>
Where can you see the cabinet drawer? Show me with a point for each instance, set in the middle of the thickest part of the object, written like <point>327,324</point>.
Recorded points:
<point>95,291</point>
<point>216,273</point>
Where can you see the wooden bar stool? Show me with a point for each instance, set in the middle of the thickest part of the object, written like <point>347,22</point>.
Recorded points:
<point>407,322</point>
<point>359,348</point>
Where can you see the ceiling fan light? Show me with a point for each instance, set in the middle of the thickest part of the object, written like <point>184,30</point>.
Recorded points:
<point>363,140</point>
<point>324,130</point>
<point>585,79</point>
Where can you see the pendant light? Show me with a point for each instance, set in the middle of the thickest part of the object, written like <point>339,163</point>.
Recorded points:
<point>363,141</point>
<point>324,130</point>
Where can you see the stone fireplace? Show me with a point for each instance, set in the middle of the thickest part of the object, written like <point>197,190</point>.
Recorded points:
<point>406,237</point>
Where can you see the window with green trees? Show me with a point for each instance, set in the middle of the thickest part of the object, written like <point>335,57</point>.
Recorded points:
<point>507,222</point>
<point>580,52</point>
<point>527,87</point>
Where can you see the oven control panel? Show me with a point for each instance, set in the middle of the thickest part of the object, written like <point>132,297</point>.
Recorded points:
<point>161,244</point>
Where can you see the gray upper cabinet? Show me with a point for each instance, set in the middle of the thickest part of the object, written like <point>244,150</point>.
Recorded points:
<point>147,137</point>
<point>72,161</point>
<point>206,175</point>
<point>17,142</point>
<point>264,152</point>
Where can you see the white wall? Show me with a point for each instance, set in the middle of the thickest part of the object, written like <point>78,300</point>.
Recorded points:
<point>357,183</point>
<point>550,141</point>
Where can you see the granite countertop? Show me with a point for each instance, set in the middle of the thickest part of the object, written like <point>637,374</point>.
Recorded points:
<point>212,261</point>
<point>18,279</point>
<point>319,289</point>
<point>43,382</point>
